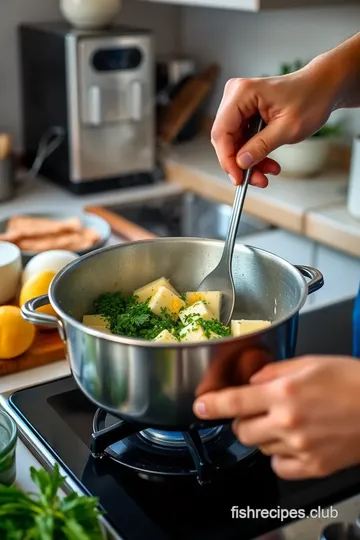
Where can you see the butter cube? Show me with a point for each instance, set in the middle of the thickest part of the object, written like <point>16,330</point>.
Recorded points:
<point>197,311</point>
<point>94,320</point>
<point>146,292</point>
<point>243,327</point>
<point>165,299</point>
<point>101,329</point>
<point>193,333</point>
<point>212,299</point>
<point>165,337</point>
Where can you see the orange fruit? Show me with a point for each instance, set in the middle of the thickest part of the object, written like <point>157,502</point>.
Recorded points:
<point>37,285</point>
<point>16,334</point>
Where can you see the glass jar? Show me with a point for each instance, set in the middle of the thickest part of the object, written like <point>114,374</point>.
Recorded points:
<point>8,439</point>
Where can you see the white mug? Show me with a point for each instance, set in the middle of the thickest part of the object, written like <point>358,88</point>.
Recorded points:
<point>10,271</point>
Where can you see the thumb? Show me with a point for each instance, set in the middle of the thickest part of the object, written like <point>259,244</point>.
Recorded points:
<point>260,146</point>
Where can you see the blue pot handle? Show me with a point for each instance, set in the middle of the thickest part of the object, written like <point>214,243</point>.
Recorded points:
<point>316,278</point>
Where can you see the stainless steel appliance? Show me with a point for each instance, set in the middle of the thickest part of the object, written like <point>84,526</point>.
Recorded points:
<point>146,480</point>
<point>97,90</point>
<point>153,383</point>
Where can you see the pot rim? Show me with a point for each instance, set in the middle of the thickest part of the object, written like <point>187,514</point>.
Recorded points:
<point>124,340</point>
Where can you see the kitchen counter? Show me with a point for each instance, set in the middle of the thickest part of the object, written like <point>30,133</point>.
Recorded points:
<point>24,457</point>
<point>40,195</point>
<point>315,208</point>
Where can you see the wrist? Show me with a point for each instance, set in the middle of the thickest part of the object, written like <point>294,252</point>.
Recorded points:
<point>331,76</point>
<point>339,71</point>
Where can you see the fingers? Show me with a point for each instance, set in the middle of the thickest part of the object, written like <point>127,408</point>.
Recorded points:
<point>262,144</point>
<point>257,431</point>
<point>273,448</point>
<point>239,402</point>
<point>267,166</point>
<point>289,468</point>
<point>275,370</point>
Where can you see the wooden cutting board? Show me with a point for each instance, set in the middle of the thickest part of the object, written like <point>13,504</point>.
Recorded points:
<point>46,349</point>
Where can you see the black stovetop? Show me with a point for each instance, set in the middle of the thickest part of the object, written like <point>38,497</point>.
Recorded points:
<point>174,508</point>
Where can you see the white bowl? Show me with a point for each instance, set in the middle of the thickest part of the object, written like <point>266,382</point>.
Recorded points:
<point>10,271</point>
<point>305,159</point>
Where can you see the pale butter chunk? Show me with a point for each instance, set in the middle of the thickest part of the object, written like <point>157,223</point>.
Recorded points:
<point>212,299</point>
<point>197,311</point>
<point>243,327</point>
<point>101,329</point>
<point>146,292</point>
<point>94,320</point>
<point>165,337</point>
<point>165,299</point>
<point>193,333</point>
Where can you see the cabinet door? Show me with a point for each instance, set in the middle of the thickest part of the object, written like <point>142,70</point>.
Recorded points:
<point>291,247</point>
<point>341,276</point>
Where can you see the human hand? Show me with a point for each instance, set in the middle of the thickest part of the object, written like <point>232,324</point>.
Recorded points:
<point>305,413</point>
<point>293,106</point>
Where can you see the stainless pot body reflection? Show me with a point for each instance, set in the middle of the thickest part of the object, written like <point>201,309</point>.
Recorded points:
<point>155,384</point>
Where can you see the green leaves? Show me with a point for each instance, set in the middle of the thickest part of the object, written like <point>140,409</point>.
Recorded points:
<point>110,304</point>
<point>47,516</point>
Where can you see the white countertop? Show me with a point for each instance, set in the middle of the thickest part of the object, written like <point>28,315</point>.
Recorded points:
<point>11,383</point>
<point>313,207</point>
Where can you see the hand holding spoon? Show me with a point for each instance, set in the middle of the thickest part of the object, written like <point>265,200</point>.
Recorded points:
<point>221,278</point>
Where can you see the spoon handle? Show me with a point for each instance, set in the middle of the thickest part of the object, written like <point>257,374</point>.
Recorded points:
<point>238,204</point>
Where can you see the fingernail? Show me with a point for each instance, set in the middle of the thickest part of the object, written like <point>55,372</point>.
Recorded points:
<point>245,160</point>
<point>200,408</point>
<point>232,179</point>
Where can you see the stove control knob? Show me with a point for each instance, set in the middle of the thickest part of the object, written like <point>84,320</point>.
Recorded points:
<point>340,531</point>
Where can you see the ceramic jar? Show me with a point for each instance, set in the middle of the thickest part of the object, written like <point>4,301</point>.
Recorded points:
<point>90,14</point>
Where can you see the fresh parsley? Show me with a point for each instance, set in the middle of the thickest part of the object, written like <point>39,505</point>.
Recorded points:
<point>128,317</point>
<point>46,516</point>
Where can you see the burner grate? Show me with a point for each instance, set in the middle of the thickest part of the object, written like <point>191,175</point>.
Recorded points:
<point>155,453</point>
<point>176,438</point>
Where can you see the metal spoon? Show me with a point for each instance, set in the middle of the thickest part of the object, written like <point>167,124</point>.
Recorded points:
<point>221,279</point>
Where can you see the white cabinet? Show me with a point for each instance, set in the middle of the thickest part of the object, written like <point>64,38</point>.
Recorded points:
<point>291,247</point>
<point>341,276</point>
<point>256,5</point>
<point>341,272</point>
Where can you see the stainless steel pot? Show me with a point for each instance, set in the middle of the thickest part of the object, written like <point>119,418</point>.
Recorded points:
<point>155,384</point>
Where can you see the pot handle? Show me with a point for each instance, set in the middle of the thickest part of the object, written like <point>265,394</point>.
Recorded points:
<point>316,278</point>
<point>29,313</point>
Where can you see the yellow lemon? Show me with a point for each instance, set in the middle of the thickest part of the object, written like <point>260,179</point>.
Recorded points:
<point>16,334</point>
<point>37,285</point>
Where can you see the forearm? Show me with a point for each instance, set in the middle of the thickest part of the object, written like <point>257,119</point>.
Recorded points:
<point>340,68</point>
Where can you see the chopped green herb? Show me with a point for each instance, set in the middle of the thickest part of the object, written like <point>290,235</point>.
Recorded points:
<point>216,327</point>
<point>128,317</point>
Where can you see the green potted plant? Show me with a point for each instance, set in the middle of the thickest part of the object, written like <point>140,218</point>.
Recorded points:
<point>307,158</point>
